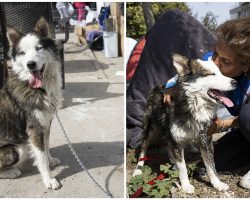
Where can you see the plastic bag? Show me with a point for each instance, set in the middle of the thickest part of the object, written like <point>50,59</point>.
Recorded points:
<point>70,9</point>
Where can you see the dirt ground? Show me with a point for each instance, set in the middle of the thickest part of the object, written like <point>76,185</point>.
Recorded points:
<point>203,188</point>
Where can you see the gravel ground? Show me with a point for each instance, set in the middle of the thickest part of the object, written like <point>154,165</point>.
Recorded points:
<point>203,188</point>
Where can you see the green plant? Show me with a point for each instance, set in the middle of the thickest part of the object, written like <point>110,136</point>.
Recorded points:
<point>192,168</point>
<point>131,158</point>
<point>210,21</point>
<point>136,27</point>
<point>160,188</point>
<point>141,181</point>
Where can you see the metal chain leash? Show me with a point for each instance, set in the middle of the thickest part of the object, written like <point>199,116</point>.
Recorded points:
<point>204,143</point>
<point>78,159</point>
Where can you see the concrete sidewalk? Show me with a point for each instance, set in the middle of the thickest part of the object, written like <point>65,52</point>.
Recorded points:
<point>93,117</point>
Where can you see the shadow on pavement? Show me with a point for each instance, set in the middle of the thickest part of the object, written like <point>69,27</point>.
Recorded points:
<point>77,66</point>
<point>92,154</point>
<point>75,93</point>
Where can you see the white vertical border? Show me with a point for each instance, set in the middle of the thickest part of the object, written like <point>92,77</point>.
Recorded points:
<point>124,93</point>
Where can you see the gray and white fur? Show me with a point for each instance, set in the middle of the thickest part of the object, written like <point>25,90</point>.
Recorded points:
<point>187,119</point>
<point>27,101</point>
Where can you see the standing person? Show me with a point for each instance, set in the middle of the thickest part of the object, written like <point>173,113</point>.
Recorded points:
<point>81,11</point>
<point>65,9</point>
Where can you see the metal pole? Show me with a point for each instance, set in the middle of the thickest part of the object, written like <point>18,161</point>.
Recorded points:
<point>2,50</point>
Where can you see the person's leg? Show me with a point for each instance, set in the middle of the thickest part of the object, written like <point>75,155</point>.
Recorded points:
<point>174,32</point>
<point>231,151</point>
<point>244,119</point>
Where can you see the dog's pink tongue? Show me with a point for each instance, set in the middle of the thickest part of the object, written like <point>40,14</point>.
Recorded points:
<point>36,79</point>
<point>222,98</point>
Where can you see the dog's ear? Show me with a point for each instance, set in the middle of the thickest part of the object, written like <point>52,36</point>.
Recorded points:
<point>13,36</point>
<point>42,27</point>
<point>181,64</point>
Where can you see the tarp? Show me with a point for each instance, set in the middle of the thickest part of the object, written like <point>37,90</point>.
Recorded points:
<point>134,58</point>
<point>174,32</point>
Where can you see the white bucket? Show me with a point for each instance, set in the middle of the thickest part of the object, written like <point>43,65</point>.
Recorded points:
<point>110,40</point>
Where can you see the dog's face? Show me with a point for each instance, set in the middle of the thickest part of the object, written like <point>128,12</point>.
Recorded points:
<point>31,53</point>
<point>204,77</point>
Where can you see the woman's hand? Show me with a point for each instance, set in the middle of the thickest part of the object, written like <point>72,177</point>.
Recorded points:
<point>168,96</point>
<point>220,125</point>
<point>216,126</point>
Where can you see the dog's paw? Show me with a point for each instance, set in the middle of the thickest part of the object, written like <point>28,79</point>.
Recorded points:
<point>54,162</point>
<point>220,186</point>
<point>10,173</point>
<point>188,188</point>
<point>245,183</point>
<point>52,184</point>
<point>137,172</point>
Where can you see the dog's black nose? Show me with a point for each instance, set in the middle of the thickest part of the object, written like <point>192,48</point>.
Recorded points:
<point>31,64</point>
<point>234,83</point>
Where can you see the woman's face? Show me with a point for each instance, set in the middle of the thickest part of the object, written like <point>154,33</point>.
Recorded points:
<point>225,58</point>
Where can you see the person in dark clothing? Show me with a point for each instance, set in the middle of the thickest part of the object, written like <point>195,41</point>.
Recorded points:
<point>231,55</point>
<point>178,32</point>
<point>174,32</point>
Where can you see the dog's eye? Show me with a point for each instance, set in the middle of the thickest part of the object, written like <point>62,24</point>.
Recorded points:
<point>39,48</point>
<point>22,53</point>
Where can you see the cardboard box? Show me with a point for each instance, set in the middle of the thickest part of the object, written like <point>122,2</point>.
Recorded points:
<point>81,35</point>
<point>82,40</point>
<point>80,31</point>
<point>92,27</point>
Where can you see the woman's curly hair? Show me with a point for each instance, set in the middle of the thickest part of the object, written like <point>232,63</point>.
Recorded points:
<point>236,34</point>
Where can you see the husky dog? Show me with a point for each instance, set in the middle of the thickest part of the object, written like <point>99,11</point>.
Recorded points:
<point>187,119</point>
<point>27,102</point>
